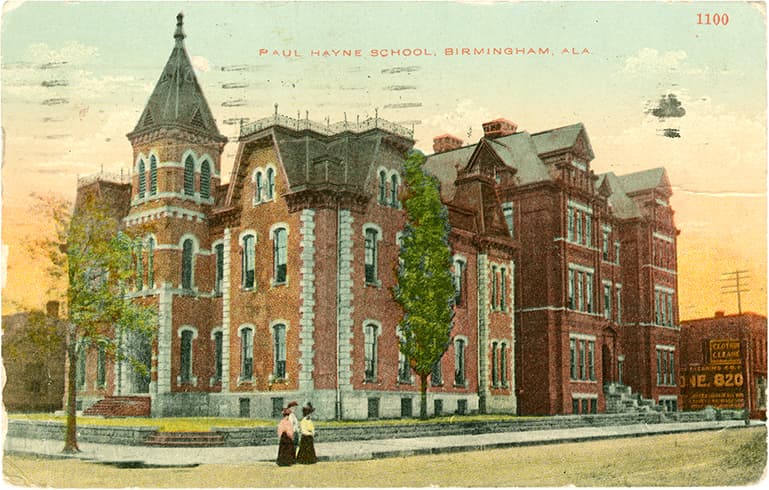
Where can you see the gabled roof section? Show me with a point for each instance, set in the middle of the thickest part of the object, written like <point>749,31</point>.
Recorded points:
<point>565,138</point>
<point>177,99</point>
<point>519,152</point>
<point>446,165</point>
<point>621,204</point>
<point>655,178</point>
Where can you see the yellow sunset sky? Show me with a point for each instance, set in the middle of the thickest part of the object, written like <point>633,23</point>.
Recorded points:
<point>76,76</point>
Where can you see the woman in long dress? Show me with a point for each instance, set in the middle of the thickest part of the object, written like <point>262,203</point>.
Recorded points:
<point>286,436</point>
<point>306,453</point>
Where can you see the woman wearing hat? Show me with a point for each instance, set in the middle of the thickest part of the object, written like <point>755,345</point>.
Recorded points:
<point>294,421</point>
<point>306,453</point>
<point>286,435</point>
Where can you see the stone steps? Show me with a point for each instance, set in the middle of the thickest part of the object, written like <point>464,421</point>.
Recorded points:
<point>121,406</point>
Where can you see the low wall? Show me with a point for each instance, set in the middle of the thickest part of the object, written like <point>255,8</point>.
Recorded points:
<point>263,436</point>
<point>41,429</point>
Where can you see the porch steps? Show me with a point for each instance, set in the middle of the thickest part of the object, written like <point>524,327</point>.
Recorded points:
<point>185,439</point>
<point>121,406</point>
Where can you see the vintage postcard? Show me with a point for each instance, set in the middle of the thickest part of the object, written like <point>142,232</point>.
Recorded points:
<point>419,243</point>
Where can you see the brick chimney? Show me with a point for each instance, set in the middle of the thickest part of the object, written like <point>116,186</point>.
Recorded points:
<point>52,309</point>
<point>446,142</point>
<point>498,128</point>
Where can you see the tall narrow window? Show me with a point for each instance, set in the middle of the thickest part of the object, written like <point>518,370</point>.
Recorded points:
<point>503,363</point>
<point>459,362</point>
<point>370,352</point>
<point>151,263</point>
<point>573,358</point>
<point>579,225</point>
<point>205,180</point>
<point>616,252</point>
<point>270,183</point>
<point>80,370</point>
<point>247,353</point>
<point>619,304</point>
<point>142,179</point>
<point>279,255</point>
<point>139,267</point>
<point>185,369</point>
<point>404,370</point>
<point>502,288</point>
<point>591,360</point>
<point>458,278</point>
<point>570,286</point>
<point>436,376</point>
<point>259,191</point>
<point>494,361</point>
<point>218,353</point>
<point>507,210</point>
<point>382,187</point>
<point>590,295</point>
<point>280,351</point>
<point>153,175</point>
<point>588,230</point>
<point>570,224</point>
<point>248,260</point>
<point>580,296</point>
<point>187,249</point>
<point>189,176</point>
<point>101,363</point>
<point>581,351</point>
<point>607,301</point>
<point>494,293</point>
<point>394,191</point>
<point>605,245</point>
<point>219,249</point>
<point>371,256</point>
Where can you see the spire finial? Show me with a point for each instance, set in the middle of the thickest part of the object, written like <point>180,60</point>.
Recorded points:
<point>179,34</point>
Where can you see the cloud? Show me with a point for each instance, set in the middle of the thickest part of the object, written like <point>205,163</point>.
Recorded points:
<point>459,121</point>
<point>200,63</point>
<point>71,53</point>
<point>649,61</point>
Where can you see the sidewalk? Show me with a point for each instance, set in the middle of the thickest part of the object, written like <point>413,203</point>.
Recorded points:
<point>143,456</point>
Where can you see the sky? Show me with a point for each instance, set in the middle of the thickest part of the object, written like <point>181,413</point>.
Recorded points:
<point>76,76</point>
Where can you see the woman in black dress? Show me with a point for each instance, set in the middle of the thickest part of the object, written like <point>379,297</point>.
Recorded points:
<point>307,445</point>
<point>286,445</point>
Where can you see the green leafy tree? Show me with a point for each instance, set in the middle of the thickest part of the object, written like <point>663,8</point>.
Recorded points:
<point>425,289</point>
<point>95,258</point>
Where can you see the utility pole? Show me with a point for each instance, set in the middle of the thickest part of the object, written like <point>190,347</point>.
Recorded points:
<point>735,283</point>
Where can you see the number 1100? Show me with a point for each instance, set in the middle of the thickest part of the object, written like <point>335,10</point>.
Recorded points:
<point>713,19</point>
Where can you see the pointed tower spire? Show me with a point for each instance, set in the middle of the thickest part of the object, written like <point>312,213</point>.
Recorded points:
<point>177,100</point>
<point>179,34</point>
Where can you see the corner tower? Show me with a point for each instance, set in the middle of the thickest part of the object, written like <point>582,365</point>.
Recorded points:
<point>176,144</point>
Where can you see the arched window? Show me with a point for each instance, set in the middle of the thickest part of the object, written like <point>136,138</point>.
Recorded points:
<point>153,175</point>
<point>370,333</point>
<point>218,345</point>
<point>142,179</point>
<point>394,191</point>
<point>279,337</point>
<point>259,191</point>
<point>248,262</point>
<point>246,353</point>
<point>370,259</point>
<point>382,187</point>
<point>139,281</point>
<point>205,180</point>
<point>185,369</point>
<point>459,362</point>
<point>189,176</point>
<point>151,263</point>
<point>187,249</point>
<point>270,183</point>
<point>279,255</point>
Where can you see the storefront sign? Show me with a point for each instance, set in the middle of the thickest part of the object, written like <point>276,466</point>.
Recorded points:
<point>720,383</point>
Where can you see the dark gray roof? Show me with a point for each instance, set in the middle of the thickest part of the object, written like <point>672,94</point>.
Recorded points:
<point>519,151</point>
<point>622,205</point>
<point>557,139</point>
<point>644,180</point>
<point>177,99</point>
<point>445,166</point>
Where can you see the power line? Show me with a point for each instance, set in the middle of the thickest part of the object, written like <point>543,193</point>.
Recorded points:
<point>736,281</point>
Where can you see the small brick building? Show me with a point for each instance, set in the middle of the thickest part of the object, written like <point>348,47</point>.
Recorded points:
<point>277,285</point>
<point>749,329</point>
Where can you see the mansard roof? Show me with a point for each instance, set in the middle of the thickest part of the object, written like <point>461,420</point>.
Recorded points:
<point>621,204</point>
<point>562,139</point>
<point>177,99</point>
<point>655,178</point>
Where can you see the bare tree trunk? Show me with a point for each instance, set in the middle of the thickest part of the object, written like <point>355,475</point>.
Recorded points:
<point>70,443</point>
<point>422,396</point>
